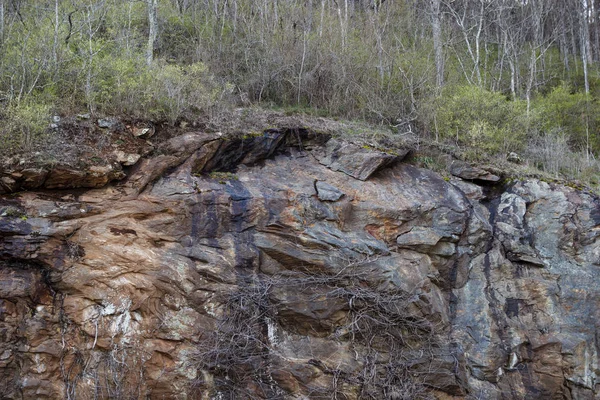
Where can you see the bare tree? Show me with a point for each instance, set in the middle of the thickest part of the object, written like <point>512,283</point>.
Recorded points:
<point>586,57</point>
<point>1,22</point>
<point>437,41</point>
<point>152,6</point>
<point>469,16</point>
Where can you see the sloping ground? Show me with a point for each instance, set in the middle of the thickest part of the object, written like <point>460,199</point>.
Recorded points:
<point>289,264</point>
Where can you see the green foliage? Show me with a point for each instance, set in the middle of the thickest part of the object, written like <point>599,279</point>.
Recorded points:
<point>476,117</point>
<point>24,126</point>
<point>223,177</point>
<point>373,63</point>
<point>568,111</point>
<point>160,92</point>
<point>13,212</point>
<point>181,90</point>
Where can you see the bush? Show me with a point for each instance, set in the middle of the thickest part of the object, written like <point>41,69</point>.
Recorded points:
<point>550,152</point>
<point>160,92</point>
<point>571,112</point>
<point>479,118</point>
<point>182,90</point>
<point>24,126</point>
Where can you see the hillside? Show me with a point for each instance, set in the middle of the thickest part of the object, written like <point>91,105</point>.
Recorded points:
<point>286,199</point>
<point>489,77</point>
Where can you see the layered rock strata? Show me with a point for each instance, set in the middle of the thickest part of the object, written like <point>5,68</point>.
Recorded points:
<point>294,265</point>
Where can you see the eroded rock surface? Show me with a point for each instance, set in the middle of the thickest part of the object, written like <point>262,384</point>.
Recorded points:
<point>267,279</point>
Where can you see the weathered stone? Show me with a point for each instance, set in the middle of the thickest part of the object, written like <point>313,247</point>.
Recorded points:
<point>418,236</point>
<point>245,150</point>
<point>327,192</point>
<point>16,283</point>
<point>356,161</point>
<point>466,171</point>
<point>146,132</point>
<point>471,191</point>
<point>109,123</point>
<point>514,158</point>
<point>8,184</point>
<point>125,158</point>
<point>92,177</point>
<point>34,177</point>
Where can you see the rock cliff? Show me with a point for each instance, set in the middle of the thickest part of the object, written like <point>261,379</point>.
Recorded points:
<point>293,265</point>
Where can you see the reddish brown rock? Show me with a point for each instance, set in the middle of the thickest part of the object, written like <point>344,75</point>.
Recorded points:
<point>171,283</point>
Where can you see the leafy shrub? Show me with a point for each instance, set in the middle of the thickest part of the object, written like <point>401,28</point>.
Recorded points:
<point>180,90</point>
<point>24,126</point>
<point>572,112</point>
<point>160,92</point>
<point>482,119</point>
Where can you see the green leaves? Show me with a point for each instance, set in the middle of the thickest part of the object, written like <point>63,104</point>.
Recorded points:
<point>573,112</point>
<point>476,117</point>
<point>159,92</point>
<point>25,126</point>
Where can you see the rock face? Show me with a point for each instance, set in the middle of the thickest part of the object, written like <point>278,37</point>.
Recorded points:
<point>291,265</point>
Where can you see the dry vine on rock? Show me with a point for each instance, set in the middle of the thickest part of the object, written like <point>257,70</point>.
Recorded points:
<point>395,346</point>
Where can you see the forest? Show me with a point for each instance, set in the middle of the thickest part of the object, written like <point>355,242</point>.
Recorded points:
<point>492,76</point>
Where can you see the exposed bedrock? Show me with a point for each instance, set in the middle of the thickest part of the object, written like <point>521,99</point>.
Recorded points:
<point>291,265</point>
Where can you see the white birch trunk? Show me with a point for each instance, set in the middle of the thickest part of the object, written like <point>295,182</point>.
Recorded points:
<point>152,29</point>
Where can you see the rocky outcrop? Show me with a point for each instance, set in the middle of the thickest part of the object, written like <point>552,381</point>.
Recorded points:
<point>469,172</point>
<point>292,265</point>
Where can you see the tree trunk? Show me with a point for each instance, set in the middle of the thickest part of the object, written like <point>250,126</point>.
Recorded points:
<point>585,43</point>
<point>437,42</point>
<point>55,44</point>
<point>1,22</point>
<point>586,30</point>
<point>152,29</point>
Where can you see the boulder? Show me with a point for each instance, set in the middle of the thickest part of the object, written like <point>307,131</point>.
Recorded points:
<point>356,161</point>
<point>327,192</point>
<point>126,159</point>
<point>110,123</point>
<point>466,171</point>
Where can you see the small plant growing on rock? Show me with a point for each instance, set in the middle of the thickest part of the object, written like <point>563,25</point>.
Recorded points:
<point>13,212</point>
<point>223,177</point>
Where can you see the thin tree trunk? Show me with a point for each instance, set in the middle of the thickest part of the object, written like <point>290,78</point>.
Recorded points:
<point>437,42</point>
<point>304,39</point>
<point>530,81</point>
<point>343,25</point>
<point>596,52</point>
<point>152,30</point>
<point>513,83</point>
<point>563,43</point>
<point>584,44</point>
<point>322,16</point>
<point>586,30</point>
<point>55,44</point>
<point>1,22</point>
<point>574,43</point>
<point>129,18</point>
<point>586,58</point>
<point>477,45</point>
